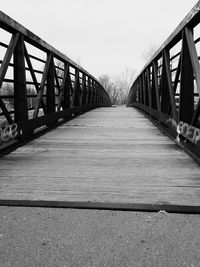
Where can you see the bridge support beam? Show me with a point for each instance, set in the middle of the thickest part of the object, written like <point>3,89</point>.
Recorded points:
<point>20,100</point>
<point>20,90</point>
<point>187,84</point>
<point>50,94</point>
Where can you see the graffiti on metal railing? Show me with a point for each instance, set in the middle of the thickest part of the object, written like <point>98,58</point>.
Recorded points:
<point>168,87</point>
<point>193,12</point>
<point>188,131</point>
<point>8,133</point>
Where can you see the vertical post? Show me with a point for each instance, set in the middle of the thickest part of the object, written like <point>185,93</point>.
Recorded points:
<point>155,85</point>
<point>86,90</point>
<point>97,94</point>
<point>165,98</point>
<point>144,89</point>
<point>20,94</point>
<point>141,91</point>
<point>89,92</point>
<point>186,109</point>
<point>167,87</point>
<point>83,95</point>
<point>94,91</point>
<point>76,95</point>
<point>50,98</point>
<point>148,87</point>
<point>67,90</point>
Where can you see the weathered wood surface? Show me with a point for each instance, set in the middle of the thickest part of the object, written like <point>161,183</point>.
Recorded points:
<point>112,155</point>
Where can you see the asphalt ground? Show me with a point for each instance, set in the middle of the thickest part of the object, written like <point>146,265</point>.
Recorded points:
<point>74,237</point>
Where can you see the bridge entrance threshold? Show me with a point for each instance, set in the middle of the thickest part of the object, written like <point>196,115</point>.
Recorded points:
<point>108,158</point>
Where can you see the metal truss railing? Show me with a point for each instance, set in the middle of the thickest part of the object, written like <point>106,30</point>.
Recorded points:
<point>168,88</point>
<point>39,86</point>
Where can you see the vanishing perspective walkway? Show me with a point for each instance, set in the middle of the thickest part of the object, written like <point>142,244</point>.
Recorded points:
<point>105,156</point>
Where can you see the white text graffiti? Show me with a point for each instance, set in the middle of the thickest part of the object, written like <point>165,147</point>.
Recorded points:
<point>188,131</point>
<point>193,12</point>
<point>8,133</point>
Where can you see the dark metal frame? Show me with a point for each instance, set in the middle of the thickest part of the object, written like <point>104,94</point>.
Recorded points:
<point>170,95</point>
<point>57,96</point>
<point>139,207</point>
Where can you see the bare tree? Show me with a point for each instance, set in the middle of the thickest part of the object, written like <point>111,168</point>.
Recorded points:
<point>108,84</point>
<point>124,81</point>
<point>118,86</point>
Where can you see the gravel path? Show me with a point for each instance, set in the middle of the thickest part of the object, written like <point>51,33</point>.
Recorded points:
<point>71,237</point>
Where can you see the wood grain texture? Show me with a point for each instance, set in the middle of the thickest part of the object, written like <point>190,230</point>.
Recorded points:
<point>112,155</point>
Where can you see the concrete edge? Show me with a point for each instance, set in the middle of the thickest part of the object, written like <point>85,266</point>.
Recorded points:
<point>143,207</point>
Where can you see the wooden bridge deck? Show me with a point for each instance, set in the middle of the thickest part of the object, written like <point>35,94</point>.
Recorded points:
<point>107,156</point>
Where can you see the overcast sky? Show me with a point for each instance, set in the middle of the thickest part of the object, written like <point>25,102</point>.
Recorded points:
<point>105,36</point>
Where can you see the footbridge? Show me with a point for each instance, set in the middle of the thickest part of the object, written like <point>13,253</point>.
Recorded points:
<point>63,144</point>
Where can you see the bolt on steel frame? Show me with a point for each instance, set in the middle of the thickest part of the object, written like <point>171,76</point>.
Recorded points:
<point>39,86</point>
<point>168,87</point>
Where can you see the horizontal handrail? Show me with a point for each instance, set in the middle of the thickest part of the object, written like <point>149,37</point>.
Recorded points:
<point>191,19</point>
<point>13,26</point>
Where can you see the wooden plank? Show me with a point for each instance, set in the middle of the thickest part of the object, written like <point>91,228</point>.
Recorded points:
<point>55,116</point>
<point>110,156</point>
